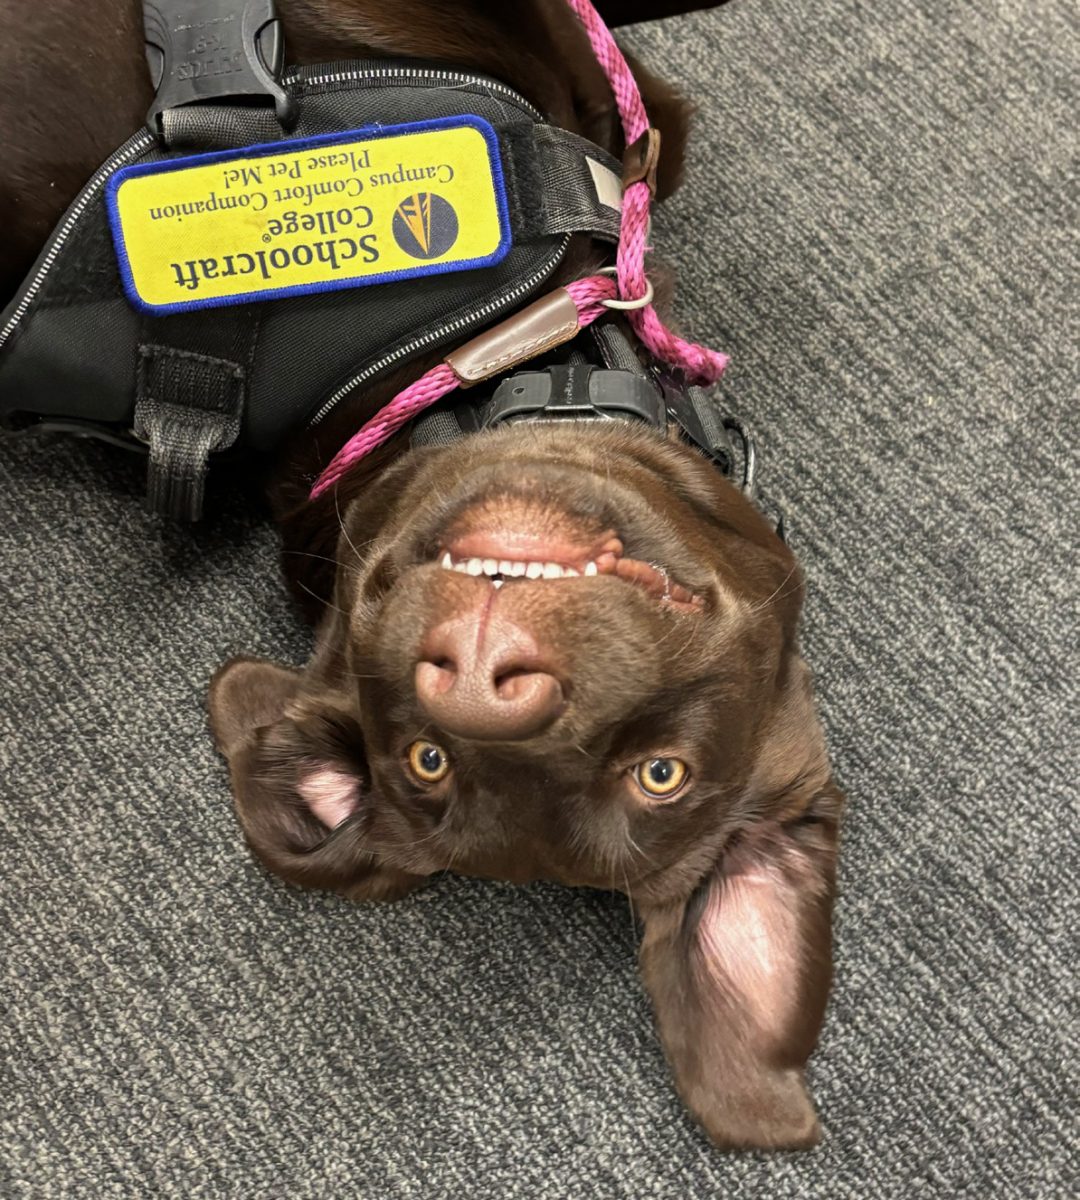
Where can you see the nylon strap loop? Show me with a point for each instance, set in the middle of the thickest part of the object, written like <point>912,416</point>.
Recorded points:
<point>189,406</point>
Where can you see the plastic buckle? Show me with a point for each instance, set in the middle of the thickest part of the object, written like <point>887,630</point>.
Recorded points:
<point>576,392</point>
<point>724,438</point>
<point>201,50</point>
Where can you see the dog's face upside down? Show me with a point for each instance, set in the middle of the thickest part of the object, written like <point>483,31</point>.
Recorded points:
<point>635,716</point>
<point>642,722</point>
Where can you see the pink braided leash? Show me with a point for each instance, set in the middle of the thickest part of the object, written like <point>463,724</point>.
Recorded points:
<point>700,364</point>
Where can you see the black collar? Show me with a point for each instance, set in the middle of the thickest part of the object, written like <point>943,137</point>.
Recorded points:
<point>603,379</point>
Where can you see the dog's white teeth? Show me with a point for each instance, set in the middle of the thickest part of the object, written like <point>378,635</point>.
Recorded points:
<point>499,570</point>
<point>496,583</point>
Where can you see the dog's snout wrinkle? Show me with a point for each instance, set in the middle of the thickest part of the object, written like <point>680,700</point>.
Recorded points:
<point>483,624</point>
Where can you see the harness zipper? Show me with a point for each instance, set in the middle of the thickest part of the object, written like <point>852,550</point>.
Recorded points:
<point>345,74</point>
<point>130,149</point>
<point>443,331</point>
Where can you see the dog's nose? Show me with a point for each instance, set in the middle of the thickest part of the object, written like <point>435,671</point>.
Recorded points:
<point>482,676</point>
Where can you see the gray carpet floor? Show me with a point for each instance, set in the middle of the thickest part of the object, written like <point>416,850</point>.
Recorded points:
<point>879,226</point>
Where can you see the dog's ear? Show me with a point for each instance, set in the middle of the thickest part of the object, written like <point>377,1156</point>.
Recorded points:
<point>299,779</point>
<point>739,976</point>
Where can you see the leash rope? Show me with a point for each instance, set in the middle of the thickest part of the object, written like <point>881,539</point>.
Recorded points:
<point>590,295</point>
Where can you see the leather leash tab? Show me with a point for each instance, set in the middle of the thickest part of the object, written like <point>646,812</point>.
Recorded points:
<point>640,160</point>
<point>536,329</point>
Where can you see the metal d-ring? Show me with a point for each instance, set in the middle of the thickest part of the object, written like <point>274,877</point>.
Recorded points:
<point>628,305</point>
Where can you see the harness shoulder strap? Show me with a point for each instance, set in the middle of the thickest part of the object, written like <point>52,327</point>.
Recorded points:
<point>192,373</point>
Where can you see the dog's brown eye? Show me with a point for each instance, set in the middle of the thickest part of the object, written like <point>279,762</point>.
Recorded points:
<point>661,778</point>
<point>428,762</point>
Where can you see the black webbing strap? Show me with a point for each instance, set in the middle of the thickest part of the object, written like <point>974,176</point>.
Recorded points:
<point>192,372</point>
<point>218,127</point>
<point>191,385</point>
<point>437,427</point>
<point>580,184</point>
<point>194,368</point>
<point>190,389</point>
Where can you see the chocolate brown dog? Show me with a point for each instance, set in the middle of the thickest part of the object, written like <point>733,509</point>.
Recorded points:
<point>544,652</point>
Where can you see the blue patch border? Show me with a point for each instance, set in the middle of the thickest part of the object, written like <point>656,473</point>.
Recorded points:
<point>264,150</point>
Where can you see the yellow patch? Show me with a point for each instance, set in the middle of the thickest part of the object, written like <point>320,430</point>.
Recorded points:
<point>304,216</point>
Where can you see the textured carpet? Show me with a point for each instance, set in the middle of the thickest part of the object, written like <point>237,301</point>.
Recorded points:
<point>879,226</point>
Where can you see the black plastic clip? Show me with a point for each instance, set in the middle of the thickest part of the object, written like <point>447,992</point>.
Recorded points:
<point>725,439</point>
<point>224,50</point>
<point>570,391</point>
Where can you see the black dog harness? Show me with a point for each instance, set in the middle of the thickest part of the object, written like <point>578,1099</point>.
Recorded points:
<point>602,379</point>
<point>207,291</point>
